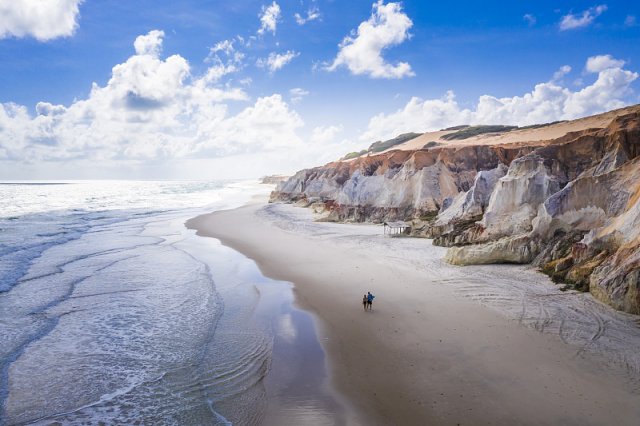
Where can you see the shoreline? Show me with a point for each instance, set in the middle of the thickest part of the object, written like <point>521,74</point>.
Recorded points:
<point>425,354</point>
<point>260,331</point>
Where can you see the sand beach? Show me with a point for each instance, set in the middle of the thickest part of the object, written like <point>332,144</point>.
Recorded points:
<point>443,345</point>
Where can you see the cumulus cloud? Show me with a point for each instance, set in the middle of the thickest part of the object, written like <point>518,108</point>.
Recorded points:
<point>149,44</point>
<point>275,61</point>
<point>46,108</point>
<point>269,18</point>
<point>599,63</point>
<point>572,22</point>
<point>325,134</point>
<point>312,14</point>
<point>43,20</point>
<point>361,51</point>
<point>152,108</point>
<point>417,115</point>
<point>545,103</point>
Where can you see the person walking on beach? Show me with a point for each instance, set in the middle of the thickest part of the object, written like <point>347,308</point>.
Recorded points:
<point>369,300</point>
<point>364,302</point>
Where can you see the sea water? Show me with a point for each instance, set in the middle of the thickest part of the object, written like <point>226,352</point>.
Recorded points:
<point>112,312</point>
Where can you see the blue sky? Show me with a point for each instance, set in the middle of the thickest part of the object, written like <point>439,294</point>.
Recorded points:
<point>280,91</point>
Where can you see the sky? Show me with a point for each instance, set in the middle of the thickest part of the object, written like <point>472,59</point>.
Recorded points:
<point>197,89</point>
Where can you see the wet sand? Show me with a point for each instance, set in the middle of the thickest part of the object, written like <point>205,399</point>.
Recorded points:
<point>443,345</point>
<point>261,330</point>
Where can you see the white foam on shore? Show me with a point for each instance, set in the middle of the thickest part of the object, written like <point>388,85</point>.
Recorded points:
<point>113,319</point>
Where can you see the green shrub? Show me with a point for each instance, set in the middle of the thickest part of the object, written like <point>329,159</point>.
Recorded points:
<point>463,126</point>
<point>471,131</point>
<point>351,155</point>
<point>384,145</point>
<point>537,126</point>
<point>431,144</point>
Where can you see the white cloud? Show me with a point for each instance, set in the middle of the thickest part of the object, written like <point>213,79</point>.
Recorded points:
<point>266,126</point>
<point>599,63</point>
<point>564,70</point>
<point>325,134</point>
<point>151,109</point>
<point>269,18</point>
<point>275,61</point>
<point>225,46</point>
<point>545,103</point>
<point>572,22</point>
<point>630,21</point>
<point>312,14</point>
<point>418,115</point>
<point>296,94</point>
<point>42,19</point>
<point>45,108</point>
<point>531,19</point>
<point>611,87</point>
<point>361,51</point>
<point>220,67</point>
<point>149,44</point>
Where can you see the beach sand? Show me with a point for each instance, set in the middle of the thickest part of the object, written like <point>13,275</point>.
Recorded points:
<point>443,345</point>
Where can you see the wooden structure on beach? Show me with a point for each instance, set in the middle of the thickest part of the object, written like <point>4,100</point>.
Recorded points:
<point>395,228</point>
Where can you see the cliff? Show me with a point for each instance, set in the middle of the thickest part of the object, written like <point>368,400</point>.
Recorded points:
<point>273,179</point>
<point>565,196</point>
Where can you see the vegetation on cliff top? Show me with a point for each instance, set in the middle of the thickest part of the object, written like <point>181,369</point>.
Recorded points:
<point>431,144</point>
<point>380,146</point>
<point>460,132</point>
<point>465,131</point>
<point>537,126</point>
<point>470,131</point>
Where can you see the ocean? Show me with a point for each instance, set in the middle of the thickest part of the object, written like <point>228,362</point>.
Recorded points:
<point>112,312</point>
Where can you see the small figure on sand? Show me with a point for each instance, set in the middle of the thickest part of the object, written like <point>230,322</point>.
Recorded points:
<point>364,302</point>
<point>370,298</point>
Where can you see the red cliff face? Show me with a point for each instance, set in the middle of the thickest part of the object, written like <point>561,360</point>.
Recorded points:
<point>570,204</point>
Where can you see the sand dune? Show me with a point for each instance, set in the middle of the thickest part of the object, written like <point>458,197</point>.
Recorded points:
<point>545,133</point>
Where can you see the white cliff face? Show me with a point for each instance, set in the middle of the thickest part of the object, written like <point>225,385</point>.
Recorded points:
<point>422,189</point>
<point>516,249</point>
<point>599,201</point>
<point>322,188</point>
<point>431,185</point>
<point>627,225</point>
<point>604,202</point>
<point>361,190</point>
<point>472,203</point>
<point>294,184</point>
<point>617,280</point>
<point>514,202</point>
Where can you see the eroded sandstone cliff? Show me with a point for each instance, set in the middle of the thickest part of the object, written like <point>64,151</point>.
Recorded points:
<point>570,204</point>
